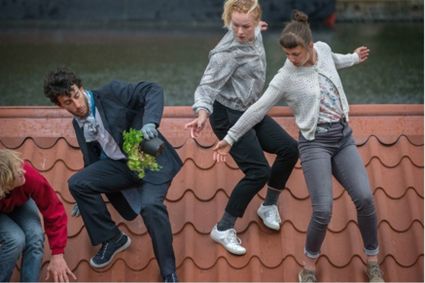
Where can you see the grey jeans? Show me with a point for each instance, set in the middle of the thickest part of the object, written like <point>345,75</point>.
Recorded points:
<point>333,152</point>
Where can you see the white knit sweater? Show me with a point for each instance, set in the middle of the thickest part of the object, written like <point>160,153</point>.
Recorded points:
<point>299,87</point>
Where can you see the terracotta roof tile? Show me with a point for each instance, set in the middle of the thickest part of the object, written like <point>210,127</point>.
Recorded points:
<point>390,141</point>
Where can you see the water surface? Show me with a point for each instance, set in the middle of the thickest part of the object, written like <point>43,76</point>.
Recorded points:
<point>177,60</point>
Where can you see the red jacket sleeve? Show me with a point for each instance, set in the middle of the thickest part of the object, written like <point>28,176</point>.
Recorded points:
<point>54,216</point>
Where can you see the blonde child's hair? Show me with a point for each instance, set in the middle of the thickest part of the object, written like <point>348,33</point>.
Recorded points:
<point>242,6</point>
<point>10,161</point>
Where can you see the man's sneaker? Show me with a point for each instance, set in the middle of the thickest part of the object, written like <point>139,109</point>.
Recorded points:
<point>306,275</point>
<point>374,272</point>
<point>270,216</point>
<point>108,250</point>
<point>229,240</point>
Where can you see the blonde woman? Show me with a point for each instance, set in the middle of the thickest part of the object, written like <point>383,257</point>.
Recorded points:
<point>310,84</point>
<point>232,81</point>
<point>22,191</point>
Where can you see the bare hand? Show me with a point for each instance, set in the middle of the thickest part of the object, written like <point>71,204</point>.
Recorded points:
<point>221,149</point>
<point>197,125</point>
<point>363,53</point>
<point>263,25</point>
<point>59,269</point>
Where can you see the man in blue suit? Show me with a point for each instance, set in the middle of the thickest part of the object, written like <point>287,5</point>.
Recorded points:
<point>100,117</point>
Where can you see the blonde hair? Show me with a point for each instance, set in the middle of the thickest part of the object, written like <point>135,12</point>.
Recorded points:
<point>297,32</point>
<point>242,6</point>
<point>10,161</point>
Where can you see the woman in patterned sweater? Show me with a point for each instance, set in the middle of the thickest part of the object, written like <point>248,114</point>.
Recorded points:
<point>310,84</point>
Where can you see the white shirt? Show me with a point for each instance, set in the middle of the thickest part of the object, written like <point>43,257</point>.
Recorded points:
<point>106,141</point>
<point>299,87</point>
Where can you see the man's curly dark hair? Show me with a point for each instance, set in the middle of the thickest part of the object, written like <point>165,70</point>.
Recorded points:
<point>59,82</point>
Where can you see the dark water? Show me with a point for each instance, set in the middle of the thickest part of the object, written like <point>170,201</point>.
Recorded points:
<point>177,59</point>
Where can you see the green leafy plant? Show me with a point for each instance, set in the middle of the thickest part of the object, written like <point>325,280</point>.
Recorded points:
<point>138,161</point>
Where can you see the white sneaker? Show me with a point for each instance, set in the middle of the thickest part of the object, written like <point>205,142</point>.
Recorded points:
<point>270,216</point>
<point>229,240</point>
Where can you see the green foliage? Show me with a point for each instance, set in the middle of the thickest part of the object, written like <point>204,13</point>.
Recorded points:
<point>138,161</point>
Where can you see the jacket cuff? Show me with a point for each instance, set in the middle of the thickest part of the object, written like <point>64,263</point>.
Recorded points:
<point>356,58</point>
<point>58,251</point>
<point>202,108</point>
<point>229,140</point>
<point>205,107</point>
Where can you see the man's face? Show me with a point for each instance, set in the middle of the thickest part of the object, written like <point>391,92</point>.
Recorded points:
<point>76,103</point>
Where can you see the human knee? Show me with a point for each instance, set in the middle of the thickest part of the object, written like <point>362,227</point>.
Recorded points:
<point>292,150</point>
<point>365,204</point>
<point>289,152</point>
<point>12,244</point>
<point>260,174</point>
<point>152,209</point>
<point>35,238</point>
<point>293,153</point>
<point>75,183</point>
<point>322,216</point>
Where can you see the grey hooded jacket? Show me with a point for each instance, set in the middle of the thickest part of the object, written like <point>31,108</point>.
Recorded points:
<point>235,75</point>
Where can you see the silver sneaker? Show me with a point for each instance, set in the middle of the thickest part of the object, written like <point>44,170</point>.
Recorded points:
<point>374,272</point>
<point>228,240</point>
<point>270,216</point>
<point>306,276</point>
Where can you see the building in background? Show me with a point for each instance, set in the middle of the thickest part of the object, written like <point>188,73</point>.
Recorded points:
<point>198,13</point>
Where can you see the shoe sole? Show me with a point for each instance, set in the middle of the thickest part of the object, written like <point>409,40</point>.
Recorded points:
<point>232,252</point>
<point>126,245</point>
<point>272,228</point>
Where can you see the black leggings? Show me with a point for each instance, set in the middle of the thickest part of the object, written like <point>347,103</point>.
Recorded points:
<point>248,154</point>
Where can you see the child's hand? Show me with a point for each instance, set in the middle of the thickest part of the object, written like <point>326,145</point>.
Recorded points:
<point>363,53</point>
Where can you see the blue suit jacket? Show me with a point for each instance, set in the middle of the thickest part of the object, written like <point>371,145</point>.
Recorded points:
<point>123,106</point>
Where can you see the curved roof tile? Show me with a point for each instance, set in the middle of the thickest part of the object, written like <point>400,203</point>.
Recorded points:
<point>389,139</point>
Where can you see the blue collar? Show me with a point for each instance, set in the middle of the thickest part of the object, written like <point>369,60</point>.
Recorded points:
<point>91,102</point>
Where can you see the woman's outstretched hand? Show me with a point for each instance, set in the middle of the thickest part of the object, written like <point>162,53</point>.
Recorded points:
<point>198,124</point>
<point>363,53</point>
<point>221,149</point>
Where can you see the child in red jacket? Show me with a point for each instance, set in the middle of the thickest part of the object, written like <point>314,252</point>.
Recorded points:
<point>22,191</point>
